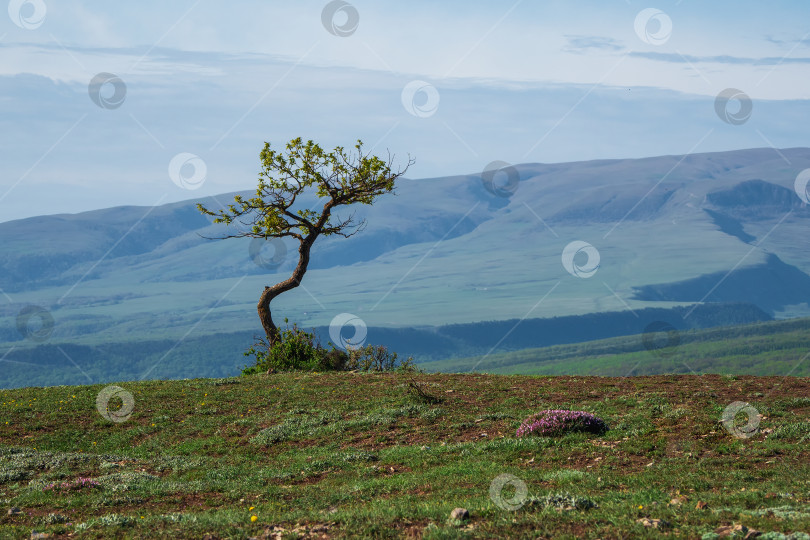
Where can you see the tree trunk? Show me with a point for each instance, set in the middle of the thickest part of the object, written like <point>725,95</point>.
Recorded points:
<point>270,329</point>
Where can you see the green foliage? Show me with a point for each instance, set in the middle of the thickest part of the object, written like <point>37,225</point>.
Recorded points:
<point>295,350</point>
<point>299,350</point>
<point>341,177</point>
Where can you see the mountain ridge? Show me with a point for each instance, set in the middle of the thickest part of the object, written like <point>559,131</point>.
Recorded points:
<point>443,250</point>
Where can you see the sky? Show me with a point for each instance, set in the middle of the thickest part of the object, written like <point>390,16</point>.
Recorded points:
<point>105,104</point>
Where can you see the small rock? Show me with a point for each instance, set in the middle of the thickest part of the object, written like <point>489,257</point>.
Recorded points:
<point>653,523</point>
<point>35,534</point>
<point>14,511</point>
<point>459,514</point>
<point>677,501</point>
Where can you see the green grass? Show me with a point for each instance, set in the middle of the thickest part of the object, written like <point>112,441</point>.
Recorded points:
<point>769,348</point>
<point>362,455</point>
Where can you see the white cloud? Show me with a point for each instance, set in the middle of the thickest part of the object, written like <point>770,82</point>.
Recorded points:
<point>545,82</point>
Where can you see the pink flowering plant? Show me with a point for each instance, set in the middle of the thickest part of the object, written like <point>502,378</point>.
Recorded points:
<point>558,422</point>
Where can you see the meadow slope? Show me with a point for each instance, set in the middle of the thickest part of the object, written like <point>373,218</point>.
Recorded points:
<point>391,455</point>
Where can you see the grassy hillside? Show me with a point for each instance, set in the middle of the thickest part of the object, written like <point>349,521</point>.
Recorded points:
<point>361,455</point>
<point>768,348</point>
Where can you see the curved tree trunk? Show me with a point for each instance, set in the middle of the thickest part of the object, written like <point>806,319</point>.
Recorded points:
<point>270,329</point>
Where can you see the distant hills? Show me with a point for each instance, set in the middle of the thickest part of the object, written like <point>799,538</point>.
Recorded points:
<point>669,231</point>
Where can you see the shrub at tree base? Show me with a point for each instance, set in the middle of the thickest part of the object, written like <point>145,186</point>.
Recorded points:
<point>558,422</point>
<point>298,350</point>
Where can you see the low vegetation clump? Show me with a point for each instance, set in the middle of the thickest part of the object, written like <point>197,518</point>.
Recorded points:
<point>296,350</point>
<point>75,485</point>
<point>560,422</point>
<point>376,358</point>
<point>299,350</point>
<point>562,501</point>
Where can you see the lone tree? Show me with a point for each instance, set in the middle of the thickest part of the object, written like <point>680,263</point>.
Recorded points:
<point>338,177</point>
